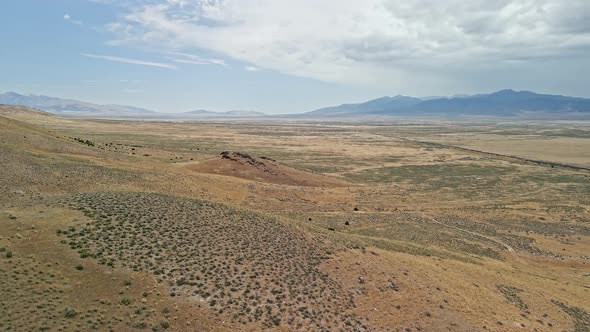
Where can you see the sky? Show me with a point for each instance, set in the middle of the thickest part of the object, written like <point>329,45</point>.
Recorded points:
<point>285,56</point>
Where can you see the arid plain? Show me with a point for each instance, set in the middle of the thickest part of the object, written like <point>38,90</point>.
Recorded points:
<point>293,226</point>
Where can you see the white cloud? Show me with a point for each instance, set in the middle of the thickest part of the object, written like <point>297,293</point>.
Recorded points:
<point>130,61</point>
<point>369,40</point>
<point>251,68</point>
<point>68,18</point>
<point>196,60</point>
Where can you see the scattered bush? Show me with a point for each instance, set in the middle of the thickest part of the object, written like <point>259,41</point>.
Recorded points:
<point>69,313</point>
<point>218,254</point>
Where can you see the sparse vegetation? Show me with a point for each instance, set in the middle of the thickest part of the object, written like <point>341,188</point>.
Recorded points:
<point>84,141</point>
<point>421,232</point>
<point>511,295</point>
<point>580,316</point>
<point>215,253</point>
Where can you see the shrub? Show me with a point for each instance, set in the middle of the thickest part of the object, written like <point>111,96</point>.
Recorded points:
<point>140,325</point>
<point>69,313</point>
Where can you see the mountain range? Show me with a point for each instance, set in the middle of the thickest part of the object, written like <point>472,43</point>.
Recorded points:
<point>503,103</point>
<point>80,109</point>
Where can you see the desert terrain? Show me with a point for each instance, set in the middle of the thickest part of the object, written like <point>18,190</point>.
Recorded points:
<point>292,225</point>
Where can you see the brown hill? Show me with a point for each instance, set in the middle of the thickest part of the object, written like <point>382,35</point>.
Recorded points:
<point>38,160</point>
<point>261,169</point>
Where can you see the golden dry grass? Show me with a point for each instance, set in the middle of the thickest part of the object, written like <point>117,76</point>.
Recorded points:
<point>418,236</point>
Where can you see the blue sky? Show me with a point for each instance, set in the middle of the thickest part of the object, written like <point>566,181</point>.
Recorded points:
<point>282,56</point>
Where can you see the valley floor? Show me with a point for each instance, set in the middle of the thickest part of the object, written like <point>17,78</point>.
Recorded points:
<point>124,226</point>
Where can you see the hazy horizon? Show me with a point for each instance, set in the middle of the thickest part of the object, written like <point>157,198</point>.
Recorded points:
<point>251,110</point>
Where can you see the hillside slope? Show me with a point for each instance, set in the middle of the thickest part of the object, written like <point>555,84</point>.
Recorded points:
<point>262,169</point>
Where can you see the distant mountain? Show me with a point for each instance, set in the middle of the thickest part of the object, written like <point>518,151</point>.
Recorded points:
<point>80,109</point>
<point>75,108</point>
<point>502,103</point>
<point>384,104</point>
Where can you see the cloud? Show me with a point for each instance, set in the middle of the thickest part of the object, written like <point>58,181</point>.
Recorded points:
<point>196,60</point>
<point>130,61</point>
<point>68,18</point>
<point>370,41</point>
<point>251,68</point>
